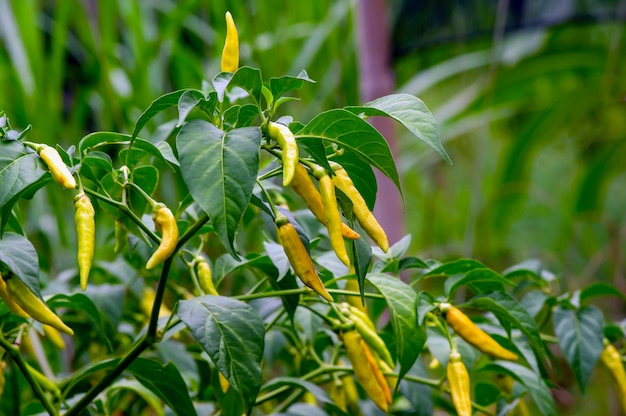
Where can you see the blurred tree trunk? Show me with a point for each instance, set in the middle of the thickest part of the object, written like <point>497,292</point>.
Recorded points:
<point>375,80</point>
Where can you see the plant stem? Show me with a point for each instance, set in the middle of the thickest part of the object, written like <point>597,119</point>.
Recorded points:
<point>14,353</point>
<point>261,295</point>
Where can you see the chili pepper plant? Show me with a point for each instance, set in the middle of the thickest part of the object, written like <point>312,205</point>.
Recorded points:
<point>267,285</point>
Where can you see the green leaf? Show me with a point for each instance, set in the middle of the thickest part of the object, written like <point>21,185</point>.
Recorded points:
<point>401,301</point>
<point>166,382</point>
<point>508,309</point>
<point>138,389</point>
<point>220,170</point>
<point>353,134</point>
<point>455,267</point>
<point>187,102</point>
<point>79,302</point>
<point>19,255</point>
<point>425,304</point>
<point>411,112</point>
<point>160,104</point>
<point>19,168</point>
<point>232,334</point>
<point>249,79</point>
<point>281,85</point>
<point>537,388</point>
<point>600,289</point>
<point>479,280</point>
<point>580,334</point>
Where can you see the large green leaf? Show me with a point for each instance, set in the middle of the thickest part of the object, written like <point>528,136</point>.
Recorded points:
<point>508,309</point>
<point>355,136</point>
<point>479,280</point>
<point>402,304</point>
<point>166,382</point>
<point>232,333</point>
<point>220,170</point>
<point>580,334</point>
<point>411,112</point>
<point>19,169</point>
<point>537,388</point>
<point>20,256</point>
<point>281,85</point>
<point>147,395</point>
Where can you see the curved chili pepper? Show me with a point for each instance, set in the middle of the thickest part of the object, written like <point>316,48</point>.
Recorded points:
<point>287,142</point>
<point>612,360</point>
<point>165,223</point>
<point>230,54</point>
<point>57,167</point>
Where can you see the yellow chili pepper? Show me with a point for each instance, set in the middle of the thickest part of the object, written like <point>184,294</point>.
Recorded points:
<point>57,167</point>
<point>33,306</point>
<point>362,369</point>
<point>13,307</point>
<point>147,301</point>
<point>337,395</point>
<point>85,230</point>
<point>359,206</point>
<point>303,186</point>
<point>475,336</point>
<point>378,375</point>
<point>367,330</point>
<point>299,258</point>
<point>165,223</point>
<point>224,383</point>
<point>54,336</point>
<point>333,218</point>
<point>287,142</point>
<point>205,279</point>
<point>391,380</point>
<point>230,54</point>
<point>459,381</point>
<point>612,360</point>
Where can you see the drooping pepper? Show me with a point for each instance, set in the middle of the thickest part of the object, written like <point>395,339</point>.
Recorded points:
<point>333,218</point>
<point>459,381</point>
<point>287,142</point>
<point>372,339</point>
<point>230,54</point>
<point>13,307</point>
<point>303,186</point>
<point>165,223</point>
<point>205,278</point>
<point>33,306</point>
<point>475,336</point>
<point>378,375</point>
<point>612,360</point>
<point>85,230</point>
<point>54,336</point>
<point>57,167</point>
<point>359,206</point>
<point>362,369</point>
<point>299,257</point>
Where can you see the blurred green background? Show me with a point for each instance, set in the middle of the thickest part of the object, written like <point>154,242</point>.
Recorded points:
<point>530,97</point>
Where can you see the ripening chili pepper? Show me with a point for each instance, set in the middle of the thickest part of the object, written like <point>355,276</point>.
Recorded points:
<point>378,375</point>
<point>459,381</point>
<point>230,54</point>
<point>164,223</point>
<point>391,380</point>
<point>352,395</point>
<point>333,218</point>
<point>34,306</point>
<point>337,395</point>
<point>359,207</point>
<point>147,303</point>
<point>612,360</point>
<point>224,383</point>
<point>85,230</point>
<point>43,381</point>
<point>13,307</point>
<point>371,338</point>
<point>299,257</point>
<point>303,186</point>
<point>57,167</point>
<point>362,369</point>
<point>475,336</point>
<point>205,278</point>
<point>287,142</point>
<point>54,336</point>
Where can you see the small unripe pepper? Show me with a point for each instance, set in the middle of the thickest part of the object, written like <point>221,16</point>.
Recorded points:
<point>475,336</point>
<point>57,167</point>
<point>333,218</point>
<point>205,278</point>
<point>165,223</point>
<point>299,258</point>
<point>230,54</point>
<point>287,142</point>
<point>54,336</point>
<point>85,230</point>
<point>362,369</point>
<point>33,306</point>
<point>612,360</point>
<point>459,381</point>
<point>359,206</point>
<point>303,186</point>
